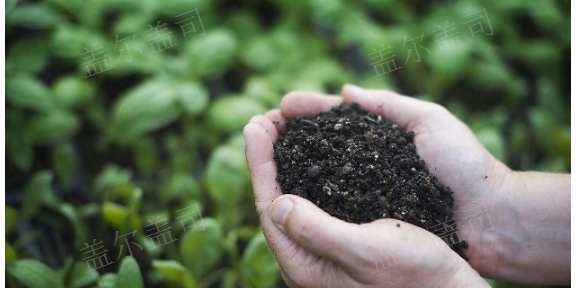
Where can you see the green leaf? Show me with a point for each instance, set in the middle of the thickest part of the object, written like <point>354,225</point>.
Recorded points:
<point>10,254</point>
<point>27,92</point>
<point>450,66</point>
<point>542,124</point>
<point>107,280</point>
<point>64,162</point>
<point>227,173</point>
<point>201,250</point>
<point>114,214</point>
<point>35,192</point>
<point>111,177</point>
<point>11,215</point>
<point>52,127</point>
<point>28,56</point>
<point>326,9</point>
<point>261,54</point>
<point>129,275</point>
<point>177,7</point>
<point>259,265</point>
<point>548,15</point>
<point>262,90</point>
<point>243,108</point>
<point>145,108</point>
<point>230,279</point>
<point>21,152</point>
<point>71,41</point>
<point>35,274</point>
<point>244,24</point>
<point>550,99</point>
<point>118,216</point>
<point>70,92</point>
<point>18,145</point>
<point>123,217</point>
<point>212,53</point>
<point>35,16</point>
<point>146,155</point>
<point>540,55</point>
<point>490,76</point>
<point>80,277</point>
<point>75,217</point>
<point>325,71</point>
<point>174,273</point>
<point>181,185</point>
<point>191,97</point>
<point>10,4</point>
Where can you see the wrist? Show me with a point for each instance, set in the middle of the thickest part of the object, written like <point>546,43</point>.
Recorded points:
<point>495,244</point>
<point>530,241</point>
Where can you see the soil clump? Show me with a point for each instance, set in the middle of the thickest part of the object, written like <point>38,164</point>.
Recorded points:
<point>359,167</point>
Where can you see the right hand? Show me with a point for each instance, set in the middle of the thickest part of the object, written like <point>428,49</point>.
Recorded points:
<point>451,152</point>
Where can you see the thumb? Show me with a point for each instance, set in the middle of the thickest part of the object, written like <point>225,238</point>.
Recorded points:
<point>316,231</point>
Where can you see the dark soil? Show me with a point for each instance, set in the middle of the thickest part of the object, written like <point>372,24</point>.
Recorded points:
<point>359,167</point>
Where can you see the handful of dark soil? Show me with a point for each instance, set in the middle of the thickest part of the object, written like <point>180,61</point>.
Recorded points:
<point>359,167</point>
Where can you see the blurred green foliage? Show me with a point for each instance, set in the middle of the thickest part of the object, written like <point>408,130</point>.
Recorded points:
<point>90,157</point>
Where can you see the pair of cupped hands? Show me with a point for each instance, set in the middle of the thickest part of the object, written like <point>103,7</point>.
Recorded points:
<point>317,250</point>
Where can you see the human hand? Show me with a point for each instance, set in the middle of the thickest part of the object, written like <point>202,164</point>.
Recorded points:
<point>517,224</point>
<point>316,250</point>
<point>454,155</point>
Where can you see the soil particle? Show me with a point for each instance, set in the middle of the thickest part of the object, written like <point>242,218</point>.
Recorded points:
<point>359,167</point>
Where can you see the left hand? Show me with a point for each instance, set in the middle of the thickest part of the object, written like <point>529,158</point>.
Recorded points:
<point>317,250</point>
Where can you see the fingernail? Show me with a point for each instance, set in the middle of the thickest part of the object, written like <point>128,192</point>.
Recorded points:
<point>353,90</point>
<point>280,210</point>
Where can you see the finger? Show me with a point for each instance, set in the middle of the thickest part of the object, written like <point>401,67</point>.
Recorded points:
<point>268,126</point>
<point>305,104</point>
<point>259,156</point>
<point>260,159</point>
<point>406,112</point>
<point>276,118</point>
<point>317,231</point>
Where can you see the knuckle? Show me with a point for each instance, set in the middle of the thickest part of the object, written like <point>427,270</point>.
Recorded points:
<point>288,97</point>
<point>256,118</point>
